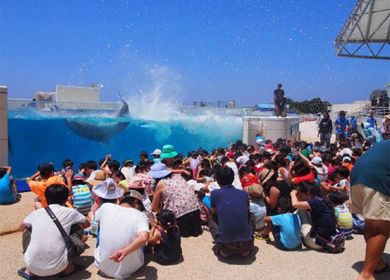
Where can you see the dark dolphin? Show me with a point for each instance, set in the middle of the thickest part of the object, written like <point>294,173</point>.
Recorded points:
<point>100,132</point>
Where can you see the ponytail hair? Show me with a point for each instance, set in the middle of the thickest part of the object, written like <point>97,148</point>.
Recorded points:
<point>167,219</point>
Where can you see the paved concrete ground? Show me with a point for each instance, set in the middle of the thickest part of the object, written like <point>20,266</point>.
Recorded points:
<point>199,260</point>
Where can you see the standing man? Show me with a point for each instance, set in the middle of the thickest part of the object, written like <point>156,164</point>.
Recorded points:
<point>372,120</point>
<point>370,195</point>
<point>342,126</point>
<point>325,128</point>
<point>279,101</point>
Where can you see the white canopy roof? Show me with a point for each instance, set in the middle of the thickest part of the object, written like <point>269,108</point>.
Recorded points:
<point>369,23</point>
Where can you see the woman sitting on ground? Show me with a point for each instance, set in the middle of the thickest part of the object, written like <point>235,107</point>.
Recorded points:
<point>173,193</point>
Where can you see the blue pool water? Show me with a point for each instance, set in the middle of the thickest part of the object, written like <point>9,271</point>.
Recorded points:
<point>41,137</point>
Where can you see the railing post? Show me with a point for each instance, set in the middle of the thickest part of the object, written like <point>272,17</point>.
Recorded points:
<point>3,126</point>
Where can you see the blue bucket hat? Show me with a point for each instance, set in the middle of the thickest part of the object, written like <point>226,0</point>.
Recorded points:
<point>168,151</point>
<point>159,170</point>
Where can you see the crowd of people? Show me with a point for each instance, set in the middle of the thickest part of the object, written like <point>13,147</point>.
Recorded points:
<point>347,128</point>
<point>302,193</point>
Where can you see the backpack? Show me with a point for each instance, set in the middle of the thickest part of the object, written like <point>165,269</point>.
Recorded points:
<point>335,245</point>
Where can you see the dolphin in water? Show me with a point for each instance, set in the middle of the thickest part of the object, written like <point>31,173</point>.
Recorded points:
<point>100,132</point>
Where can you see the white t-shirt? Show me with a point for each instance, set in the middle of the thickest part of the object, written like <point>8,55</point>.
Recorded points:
<point>236,182</point>
<point>46,254</point>
<point>119,227</point>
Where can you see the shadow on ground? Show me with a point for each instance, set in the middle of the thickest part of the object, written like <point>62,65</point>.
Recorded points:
<point>358,266</point>
<point>240,260</point>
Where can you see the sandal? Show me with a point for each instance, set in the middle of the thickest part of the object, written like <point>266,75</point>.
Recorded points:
<point>22,273</point>
<point>385,269</point>
<point>259,236</point>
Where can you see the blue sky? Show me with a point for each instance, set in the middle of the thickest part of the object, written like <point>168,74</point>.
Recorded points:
<point>193,50</point>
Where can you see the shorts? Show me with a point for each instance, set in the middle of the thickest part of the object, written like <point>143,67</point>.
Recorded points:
<point>370,203</point>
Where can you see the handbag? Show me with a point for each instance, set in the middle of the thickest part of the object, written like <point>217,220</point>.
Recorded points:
<point>74,245</point>
<point>335,245</point>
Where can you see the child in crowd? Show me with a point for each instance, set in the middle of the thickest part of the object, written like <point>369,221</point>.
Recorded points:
<point>81,195</point>
<point>286,226</point>
<point>322,215</point>
<point>165,238</point>
<point>341,182</point>
<point>343,216</point>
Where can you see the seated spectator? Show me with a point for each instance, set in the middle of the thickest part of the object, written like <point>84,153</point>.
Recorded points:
<point>46,253</point>
<point>173,193</point>
<point>232,209</point>
<point>286,226</point>
<point>123,231</point>
<point>165,238</point>
<point>8,193</point>
<point>322,215</point>
<point>43,178</point>
<point>81,195</point>
<point>247,178</point>
<point>343,215</point>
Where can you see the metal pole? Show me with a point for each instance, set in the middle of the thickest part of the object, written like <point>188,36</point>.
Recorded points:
<point>3,126</point>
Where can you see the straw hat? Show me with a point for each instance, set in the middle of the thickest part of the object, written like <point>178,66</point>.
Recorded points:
<point>99,178</point>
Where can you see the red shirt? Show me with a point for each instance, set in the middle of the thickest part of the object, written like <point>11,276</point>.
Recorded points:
<point>248,180</point>
<point>308,178</point>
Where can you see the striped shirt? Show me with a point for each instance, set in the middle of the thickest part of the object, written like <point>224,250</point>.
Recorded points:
<point>82,199</point>
<point>344,219</point>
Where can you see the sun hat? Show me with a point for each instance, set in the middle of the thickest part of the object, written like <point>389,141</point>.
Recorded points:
<point>347,159</point>
<point>156,152</point>
<point>346,151</point>
<point>99,178</point>
<point>265,175</point>
<point>387,116</point>
<point>159,170</point>
<point>108,190</point>
<point>139,181</point>
<point>168,151</point>
<point>137,195</point>
<point>316,161</point>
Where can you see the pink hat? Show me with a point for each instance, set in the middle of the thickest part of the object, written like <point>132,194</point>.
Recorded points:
<point>139,181</point>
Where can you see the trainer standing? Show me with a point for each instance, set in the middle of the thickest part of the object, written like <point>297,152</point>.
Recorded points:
<point>279,101</point>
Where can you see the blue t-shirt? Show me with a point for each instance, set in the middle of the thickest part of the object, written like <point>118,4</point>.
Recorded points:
<point>232,207</point>
<point>6,194</point>
<point>353,123</point>
<point>341,125</point>
<point>373,168</point>
<point>371,121</point>
<point>290,229</point>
